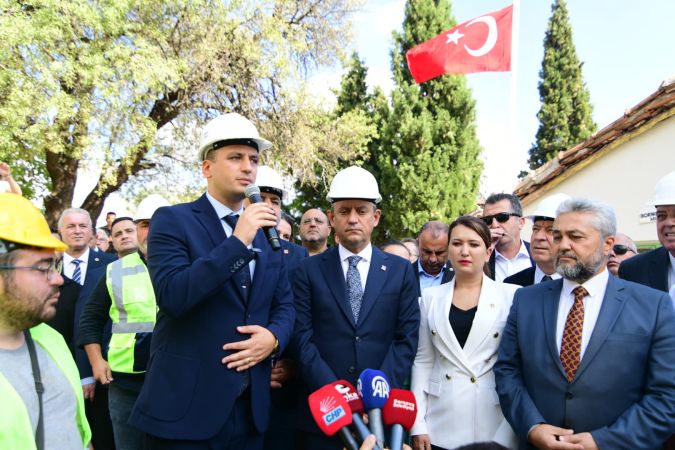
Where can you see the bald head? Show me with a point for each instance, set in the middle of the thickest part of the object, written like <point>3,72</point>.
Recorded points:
<point>624,248</point>
<point>314,231</point>
<point>433,246</point>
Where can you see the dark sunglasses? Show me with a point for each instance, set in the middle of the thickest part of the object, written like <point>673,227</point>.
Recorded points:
<point>622,249</point>
<point>501,217</point>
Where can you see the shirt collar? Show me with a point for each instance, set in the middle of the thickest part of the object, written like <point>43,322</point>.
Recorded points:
<point>221,210</point>
<point>84,257</point>
<point>539,274</point>
<point>522,252</point>
<point>366,253</point>
<point>593,286</point>
<point>421,271</point>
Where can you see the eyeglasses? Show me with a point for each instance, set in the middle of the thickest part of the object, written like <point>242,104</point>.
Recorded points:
<point>49,269</point>
<point>622,249</point>
<point>501,217</point>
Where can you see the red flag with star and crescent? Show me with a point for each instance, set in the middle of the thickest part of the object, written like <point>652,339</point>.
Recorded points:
<point>482,44</point>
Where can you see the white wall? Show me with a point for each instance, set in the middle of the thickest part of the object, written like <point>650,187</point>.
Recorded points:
<point>625,178</point>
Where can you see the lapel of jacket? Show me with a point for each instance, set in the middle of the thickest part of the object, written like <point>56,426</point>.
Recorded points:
<point>439,322</point>
<point>262,257</point>
<point>331,268</point>
<point>612,305</point>
<point>207,217</point>
<point>377,275</point>
<point>550,301</point>
<point>658,269</point>
<point>488,310</point>
<point>493,264</point>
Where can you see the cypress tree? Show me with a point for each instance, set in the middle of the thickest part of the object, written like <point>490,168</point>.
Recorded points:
<point>565,117</point>
<point>429,155</point>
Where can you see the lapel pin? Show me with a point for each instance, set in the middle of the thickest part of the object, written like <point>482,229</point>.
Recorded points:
<point>285,251</point>
<point>96,259</point>
<point>383,267</point>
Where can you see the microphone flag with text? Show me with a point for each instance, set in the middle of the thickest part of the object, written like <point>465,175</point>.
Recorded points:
<point>399,413</point>
<point>332,414</point>
<point>347,390</point>
<point>373,387</point>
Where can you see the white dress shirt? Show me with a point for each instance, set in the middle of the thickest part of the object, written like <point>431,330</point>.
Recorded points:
<point>671,272</point>
<point>596,288</point>
<point>363,266</point>
<point>539,274</point>
<point>505,267</point>
<point>222,211</point>
<point>69,267</point>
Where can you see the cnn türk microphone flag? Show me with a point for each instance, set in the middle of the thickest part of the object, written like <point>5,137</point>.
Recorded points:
<point>482,44</point>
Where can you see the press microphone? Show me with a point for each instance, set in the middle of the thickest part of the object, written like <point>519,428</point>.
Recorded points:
<point>252,193</point>
<point>331,413</point>
<point>399,413</point>
<point>346,389</point>
<point>373,388</point>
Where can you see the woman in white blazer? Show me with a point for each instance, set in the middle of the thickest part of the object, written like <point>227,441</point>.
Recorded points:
<point>460,329</point>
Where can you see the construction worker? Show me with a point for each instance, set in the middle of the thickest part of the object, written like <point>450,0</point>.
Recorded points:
<point>42,400</point>
<point>125,297</point>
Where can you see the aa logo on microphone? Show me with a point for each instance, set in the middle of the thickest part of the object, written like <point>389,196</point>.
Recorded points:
<point>380,387</point>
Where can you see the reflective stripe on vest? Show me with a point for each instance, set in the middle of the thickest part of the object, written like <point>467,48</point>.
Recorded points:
<point>133,310</point>
<point>16,430</point>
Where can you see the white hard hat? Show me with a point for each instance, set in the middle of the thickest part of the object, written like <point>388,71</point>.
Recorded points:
<point>270,179</point>
<point>354,183</point>
<point>664,192</point>
<point>548,206</point>
<point>230,127</point>
<point>148,206</point>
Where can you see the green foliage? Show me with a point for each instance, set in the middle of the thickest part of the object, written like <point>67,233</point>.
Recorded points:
<point>429,161</point>
<point>87,84</point>
<point>566,113</point>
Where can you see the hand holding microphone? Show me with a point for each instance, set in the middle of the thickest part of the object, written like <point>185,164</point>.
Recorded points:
<point>373,388</point>
<point>252,193</point>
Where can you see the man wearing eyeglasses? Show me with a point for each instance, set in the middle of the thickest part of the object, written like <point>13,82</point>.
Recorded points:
<point>504,215</point>
<point>314,231</point>
<point>624,248</point>
<point>42,401</point>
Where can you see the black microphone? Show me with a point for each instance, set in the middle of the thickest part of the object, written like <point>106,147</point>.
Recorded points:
<point>252,193</point>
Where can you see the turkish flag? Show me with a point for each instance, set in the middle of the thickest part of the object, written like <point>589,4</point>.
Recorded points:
<point>482,44</point>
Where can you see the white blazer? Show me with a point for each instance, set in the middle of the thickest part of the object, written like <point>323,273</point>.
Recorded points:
<point>454,386</point>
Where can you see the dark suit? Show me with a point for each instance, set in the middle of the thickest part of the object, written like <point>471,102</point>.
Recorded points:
<point>448,275</point>
<point>331,346</point>
<point>522,278</point>
<point>188,393</point>
<point>624,389</point>
<point>650,269</point>
<point>293,255</point>
<point>493,259</point>
<point>72,300</point>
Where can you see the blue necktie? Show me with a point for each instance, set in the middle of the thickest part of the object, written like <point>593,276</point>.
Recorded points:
<point>354,288</point>
<point>77,274</point>
<point>546,278</point>
<point>243,274</point>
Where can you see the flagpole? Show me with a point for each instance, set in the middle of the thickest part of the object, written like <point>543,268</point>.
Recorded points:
<point>513,90</point>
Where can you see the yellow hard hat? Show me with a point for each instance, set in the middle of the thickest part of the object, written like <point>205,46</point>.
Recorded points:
<point>22,223</point>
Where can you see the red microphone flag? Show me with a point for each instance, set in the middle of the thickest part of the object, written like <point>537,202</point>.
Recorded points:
<point>330,410</point>
<point>400,409</point>
<point>482,44</point>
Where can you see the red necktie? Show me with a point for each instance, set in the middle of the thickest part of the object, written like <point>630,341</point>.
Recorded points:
<point>570,349</point>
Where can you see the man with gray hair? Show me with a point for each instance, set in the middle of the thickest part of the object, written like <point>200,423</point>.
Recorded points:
<point>597,371</point>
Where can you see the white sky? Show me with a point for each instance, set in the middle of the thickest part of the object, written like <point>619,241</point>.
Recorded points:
<point>627,47</point>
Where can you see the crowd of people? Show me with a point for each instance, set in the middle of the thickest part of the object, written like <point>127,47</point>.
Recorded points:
<point>206,325</point>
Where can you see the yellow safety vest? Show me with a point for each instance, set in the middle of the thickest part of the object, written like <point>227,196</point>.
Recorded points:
<point>16,430</point>
<point>133,310</point>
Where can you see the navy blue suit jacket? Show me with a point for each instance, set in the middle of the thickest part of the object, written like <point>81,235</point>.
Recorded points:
<point>188,393</point>
<point>650,269</point>
<point>522,278</point>
<point>73,300</point>
<point>330,346</point>
<point>624,390</point>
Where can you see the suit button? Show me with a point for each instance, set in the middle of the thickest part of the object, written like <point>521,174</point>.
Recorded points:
<point>357,338</point>
<point>447,376</point>
<point>433,332</point>
<point>496,335</point>
<point>233,269</point>
<point>569,396</point>
<point>241,262</point>
<point>473,379</point>
<point>351,369</point>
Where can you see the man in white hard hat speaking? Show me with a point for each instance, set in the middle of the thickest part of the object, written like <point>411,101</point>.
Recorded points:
<point>225,305</point>
<point>657,267</point>
<point>125,297</point>
<point>540,244</point>
<point>356,305</point>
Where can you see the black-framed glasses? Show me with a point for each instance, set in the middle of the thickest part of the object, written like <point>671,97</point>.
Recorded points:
<point>620,249</point>
<point>49,269</point>
<point>501,217</point>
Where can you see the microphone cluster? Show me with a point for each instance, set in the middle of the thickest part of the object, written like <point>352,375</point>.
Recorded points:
<point>337,406</point>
